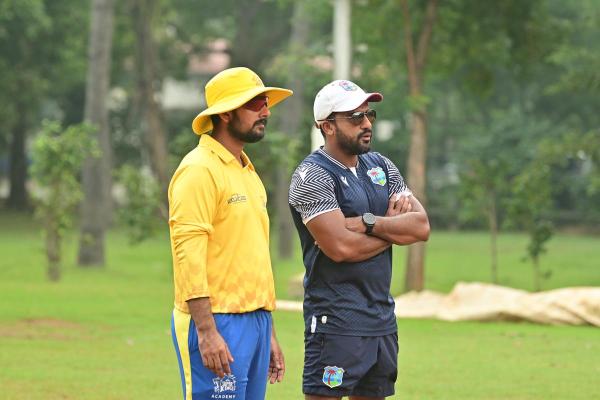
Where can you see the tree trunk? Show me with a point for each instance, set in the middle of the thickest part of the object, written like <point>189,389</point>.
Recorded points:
<point>493,221</point>
<point>243,48</point>
<point>415,60</point>
<point>537,279</point>
<point>151,116</point>
<point>53,252</point>
<point>96,205</point>
<point>291,121</point>
<point>17,197</point>
<point>415,263</point>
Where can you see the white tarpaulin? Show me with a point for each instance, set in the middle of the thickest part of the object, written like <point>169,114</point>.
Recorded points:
<point>486,302</point>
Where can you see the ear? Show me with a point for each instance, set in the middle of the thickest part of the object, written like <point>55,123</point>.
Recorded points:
<point>226,117</point>
<point>328,128</point>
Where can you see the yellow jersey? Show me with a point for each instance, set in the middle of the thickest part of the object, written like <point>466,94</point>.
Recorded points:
<point>220,232</point>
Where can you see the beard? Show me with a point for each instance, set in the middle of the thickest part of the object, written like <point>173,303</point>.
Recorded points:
<point>353,146</point>
<point>255,134</point>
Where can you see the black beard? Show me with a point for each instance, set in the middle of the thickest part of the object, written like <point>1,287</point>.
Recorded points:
<point>250,136</point>
<point>354,147</point>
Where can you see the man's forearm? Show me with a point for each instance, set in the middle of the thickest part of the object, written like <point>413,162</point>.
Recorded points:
<point>201,314</point>
<point>402,229</point>
<point>359,247</point>
<point>338,241</point>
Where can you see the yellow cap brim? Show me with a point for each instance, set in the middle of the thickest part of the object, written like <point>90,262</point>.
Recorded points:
<point>202,123</point>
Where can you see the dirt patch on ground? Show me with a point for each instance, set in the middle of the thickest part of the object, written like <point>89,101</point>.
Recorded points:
<point>42,328</point>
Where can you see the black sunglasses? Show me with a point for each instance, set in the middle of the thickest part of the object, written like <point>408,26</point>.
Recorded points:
<point>356,118</point>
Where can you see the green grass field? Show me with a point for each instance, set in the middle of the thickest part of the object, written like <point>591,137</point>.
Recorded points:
<point>104,334</point>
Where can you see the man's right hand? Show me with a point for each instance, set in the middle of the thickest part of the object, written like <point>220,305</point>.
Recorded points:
<point>214,351</point>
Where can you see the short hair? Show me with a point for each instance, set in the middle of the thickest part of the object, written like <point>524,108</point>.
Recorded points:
<point>216,120</point>
<point>330,118</point>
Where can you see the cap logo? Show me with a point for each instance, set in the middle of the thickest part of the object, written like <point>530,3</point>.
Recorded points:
<point>348,86</point>
<point>257,80</point>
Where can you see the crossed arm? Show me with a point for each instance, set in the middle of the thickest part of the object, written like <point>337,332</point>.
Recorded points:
<point>345,239</point>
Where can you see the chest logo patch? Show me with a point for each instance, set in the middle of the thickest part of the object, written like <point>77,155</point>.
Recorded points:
<point>333,376</point>
<point>237,198</point>
<point>377,176</point>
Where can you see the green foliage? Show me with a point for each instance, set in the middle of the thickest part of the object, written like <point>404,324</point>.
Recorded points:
<point>277,151</point>
<point>141,203</point>
<point>22,23</point>
<point>530,207</point>
<point>58,155</point>
<point>493,69</point>
<point>40,53</point>
<point>532,194</point>
<point>418,103</point>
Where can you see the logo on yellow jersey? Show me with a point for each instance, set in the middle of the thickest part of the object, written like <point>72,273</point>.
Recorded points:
<point>237,198</point>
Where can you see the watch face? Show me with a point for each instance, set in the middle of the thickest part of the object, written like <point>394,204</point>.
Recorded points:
<point>369,219</point>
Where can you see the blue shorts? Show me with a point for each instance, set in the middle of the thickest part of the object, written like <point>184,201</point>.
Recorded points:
<point>338,365</point>
<point>248,337</point>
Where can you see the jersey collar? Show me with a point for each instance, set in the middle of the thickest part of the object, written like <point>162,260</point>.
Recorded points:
<point>225,155</point>
<point>333,160</point>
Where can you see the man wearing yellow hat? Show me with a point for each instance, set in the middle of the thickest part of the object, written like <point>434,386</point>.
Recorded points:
<point>224,291</point>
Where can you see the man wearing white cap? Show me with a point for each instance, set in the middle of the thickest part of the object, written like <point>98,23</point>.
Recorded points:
<point>349,206</point>
<point>224,291</point>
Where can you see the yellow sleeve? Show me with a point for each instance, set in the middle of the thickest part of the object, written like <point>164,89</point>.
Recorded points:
<point>193,199</point>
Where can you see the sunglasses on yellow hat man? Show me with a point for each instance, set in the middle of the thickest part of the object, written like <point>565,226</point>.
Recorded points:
<point>230,89</point>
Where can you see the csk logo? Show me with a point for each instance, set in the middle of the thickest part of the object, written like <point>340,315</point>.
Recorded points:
<point>224,384</point>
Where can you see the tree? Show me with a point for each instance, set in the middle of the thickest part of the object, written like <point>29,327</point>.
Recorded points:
<point>141,204</point>
<point>34,30</point>
<point>416,61</point>
<point>494,154</point>
<point>147,85</point>
<point>57,158</point>
<point>291,122</point>
<point>24,25</point>
<point>96,207</point>
<point>533,189</point>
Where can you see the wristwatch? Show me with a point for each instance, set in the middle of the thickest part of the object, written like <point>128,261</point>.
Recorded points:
<point>369,220</point>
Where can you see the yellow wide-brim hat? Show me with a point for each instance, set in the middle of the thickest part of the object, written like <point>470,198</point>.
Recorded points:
<point>230,89</point>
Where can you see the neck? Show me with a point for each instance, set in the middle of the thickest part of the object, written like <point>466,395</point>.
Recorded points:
<point>235,146</point>
<point>349,160</point>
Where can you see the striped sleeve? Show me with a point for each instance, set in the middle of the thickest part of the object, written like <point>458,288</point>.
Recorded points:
<point>397,184</point>
<point>312,191</point>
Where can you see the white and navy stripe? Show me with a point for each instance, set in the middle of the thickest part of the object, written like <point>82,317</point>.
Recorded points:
<point>312,190</point>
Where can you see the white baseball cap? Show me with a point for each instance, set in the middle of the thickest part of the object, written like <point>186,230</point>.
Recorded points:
<point>340,96</point>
